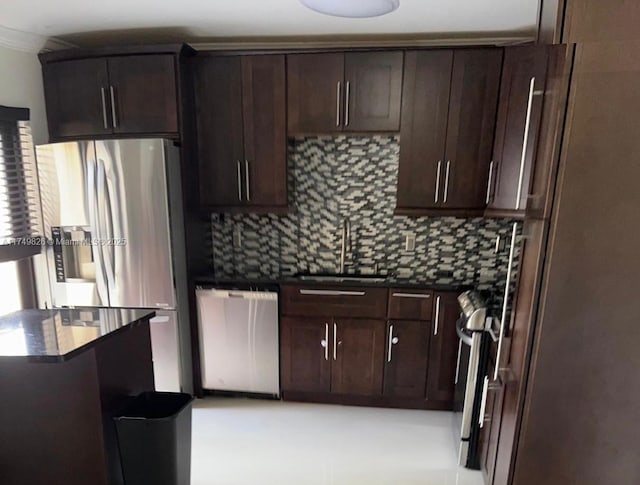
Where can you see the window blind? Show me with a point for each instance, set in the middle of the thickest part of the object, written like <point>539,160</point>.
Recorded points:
<point>20,216</point>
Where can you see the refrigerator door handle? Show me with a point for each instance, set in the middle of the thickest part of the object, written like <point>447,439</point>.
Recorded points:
<point>94,218</point>
<point>105,223</point>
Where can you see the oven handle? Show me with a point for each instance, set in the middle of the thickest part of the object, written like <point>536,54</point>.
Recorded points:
<point>461,335</point>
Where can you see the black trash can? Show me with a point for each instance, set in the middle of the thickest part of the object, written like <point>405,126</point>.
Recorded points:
<point>154,438</point>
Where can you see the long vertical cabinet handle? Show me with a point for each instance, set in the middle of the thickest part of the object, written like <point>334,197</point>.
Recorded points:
<point>390,343</point>
<point>239,181</point>
<point>104,109</point>
<point>435,328</point>
<point>326,341</point>
<point>483,403</point>
<point>435,199</point>
<point>455,379</point>
<point>247,180</point>
<point>503,322</point>
<point>489,182</point>
<point>112,91</point>
<point>525,141</point>
<point>338,100</point>
<point>335,340</point>
<point>347,99</point>
<point>446,182</point>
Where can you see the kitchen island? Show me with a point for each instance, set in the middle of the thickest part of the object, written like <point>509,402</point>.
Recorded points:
<point>63,375</point>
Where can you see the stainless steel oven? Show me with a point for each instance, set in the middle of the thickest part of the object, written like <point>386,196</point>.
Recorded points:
<point>473,349</point>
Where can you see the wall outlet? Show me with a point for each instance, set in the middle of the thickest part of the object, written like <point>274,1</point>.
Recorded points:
<point>237,237</point>
<point>410,242</point>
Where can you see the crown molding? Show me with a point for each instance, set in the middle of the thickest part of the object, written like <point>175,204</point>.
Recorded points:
<point>29,42</point>
<point>223,44</point>
<point>21,41</point>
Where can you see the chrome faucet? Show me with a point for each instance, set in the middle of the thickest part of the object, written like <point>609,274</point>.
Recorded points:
<point>346,246</point>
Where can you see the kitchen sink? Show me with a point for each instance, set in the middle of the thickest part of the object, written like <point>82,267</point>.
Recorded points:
<point>341,278</point>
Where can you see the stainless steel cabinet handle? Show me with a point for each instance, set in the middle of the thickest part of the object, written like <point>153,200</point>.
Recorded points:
<point>247,180</point>
<point>390,343</point>
<point>325,342</point>
<point>239,181</point>
<point>338,99</point>
<point>525,141</point>
<point>435,199</point>
<point>335,340</point>
<point>483,403</point>
<point>437,322</point>
<point>347,99</point>
<point>489,182</point>
<point>446,182</point>
<point>505,301</point>
<point>332,293</point>
<point>455,380</point>
<point>410,295</point>
<point>113,106</point>
<point>104,109</point>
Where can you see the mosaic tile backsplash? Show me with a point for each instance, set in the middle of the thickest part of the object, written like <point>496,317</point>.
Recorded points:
<point>333,178</point>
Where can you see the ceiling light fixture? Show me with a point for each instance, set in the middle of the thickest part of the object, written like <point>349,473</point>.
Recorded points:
<point>352,8</point>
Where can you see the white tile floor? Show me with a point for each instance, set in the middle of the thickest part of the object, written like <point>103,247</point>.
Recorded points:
<point>255,442</point>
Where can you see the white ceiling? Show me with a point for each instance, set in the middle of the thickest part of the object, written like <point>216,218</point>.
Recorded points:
<point>263,18</point>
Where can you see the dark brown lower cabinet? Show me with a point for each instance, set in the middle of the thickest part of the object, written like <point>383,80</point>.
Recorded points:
<point>443,351</point>
<point>326,355</point>
<point>305,364</point>
<point>406,358</point>
<point>490,432</point>
<point>364,358</point>
<point>357,363</point>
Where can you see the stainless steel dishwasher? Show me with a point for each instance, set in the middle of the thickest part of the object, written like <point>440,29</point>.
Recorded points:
<point>239,340</point>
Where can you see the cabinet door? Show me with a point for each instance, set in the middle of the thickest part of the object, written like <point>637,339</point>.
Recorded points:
<point>443,350</point>
<point>358,354</point>
<point>305,354</point>
<point>315,89</point>
<point>265,137</point>
<point>425,106</point>
<point>145,97</point>
<point>405,372</point>
<point>77,98</point>
<point>218,101</point>
<point>516,135</point>
<point>490,431</point>
<point>472,116</point>
<point>373,91</point>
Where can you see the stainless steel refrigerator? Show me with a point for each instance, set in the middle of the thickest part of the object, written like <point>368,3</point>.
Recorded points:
<point>112,210</point>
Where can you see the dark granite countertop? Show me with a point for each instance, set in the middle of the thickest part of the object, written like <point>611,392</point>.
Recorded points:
<point>274,284</point>
<point>58,335</point>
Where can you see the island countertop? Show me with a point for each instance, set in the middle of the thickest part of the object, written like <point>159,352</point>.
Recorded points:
<point>58,335</point>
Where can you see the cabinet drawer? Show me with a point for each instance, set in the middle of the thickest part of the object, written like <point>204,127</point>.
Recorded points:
<point>410,304</point>
<point>332,301</point>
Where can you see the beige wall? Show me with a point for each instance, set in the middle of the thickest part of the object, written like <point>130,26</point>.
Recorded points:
<point>21,86</point>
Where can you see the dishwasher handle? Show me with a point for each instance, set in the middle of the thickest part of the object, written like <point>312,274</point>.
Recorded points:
<point>237,294</point>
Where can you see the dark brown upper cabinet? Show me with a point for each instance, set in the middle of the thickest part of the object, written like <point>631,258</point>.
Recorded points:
<point>516,135</point>
<point>344,92</point>
<point>240,118</point>
<point>113,95</point>
<point>76,94</point>
<point>314,89</point>
<point>144,94</point>
<point>448,119</point>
